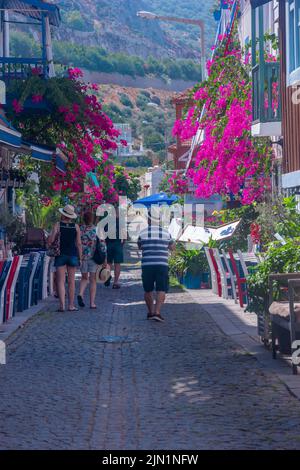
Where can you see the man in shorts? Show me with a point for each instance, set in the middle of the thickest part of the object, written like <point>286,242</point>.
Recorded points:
<point>115,255</point>
<point>155,243</point>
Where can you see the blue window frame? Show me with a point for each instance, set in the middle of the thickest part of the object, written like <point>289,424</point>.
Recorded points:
<point>293,23</point>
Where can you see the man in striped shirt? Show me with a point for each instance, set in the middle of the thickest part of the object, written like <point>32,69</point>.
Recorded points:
<point>155,243</point>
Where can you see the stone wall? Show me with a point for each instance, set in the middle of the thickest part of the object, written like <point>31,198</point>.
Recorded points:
<point>138,82</point>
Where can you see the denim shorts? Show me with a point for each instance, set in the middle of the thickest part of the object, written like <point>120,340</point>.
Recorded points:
<point>88,266</point>
<point>65,260</point>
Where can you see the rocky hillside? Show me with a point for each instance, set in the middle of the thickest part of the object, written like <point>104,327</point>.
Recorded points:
<point>114,25</point>
<point>150,114</point>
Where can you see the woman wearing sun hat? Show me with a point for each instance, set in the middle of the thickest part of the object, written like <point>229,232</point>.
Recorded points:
<point>66,234</point>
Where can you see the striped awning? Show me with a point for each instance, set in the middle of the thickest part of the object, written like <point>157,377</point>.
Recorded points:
<point>33,9</point>
<point>39,152</point>
<point>9,137</point>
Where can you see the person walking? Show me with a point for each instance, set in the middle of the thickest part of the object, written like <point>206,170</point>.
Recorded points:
<point>115,255</point>
<point>155,243</point>
<point>88,266</point>
<point>65,235</point>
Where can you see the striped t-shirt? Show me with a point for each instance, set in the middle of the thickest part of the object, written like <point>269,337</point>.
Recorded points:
<point>155,242</point>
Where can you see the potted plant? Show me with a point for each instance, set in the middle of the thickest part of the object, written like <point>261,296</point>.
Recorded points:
<point>196,269</point>
<point>278,259</point>
<point>217,14</point>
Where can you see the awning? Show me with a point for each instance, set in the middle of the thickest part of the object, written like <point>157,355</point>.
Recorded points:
<point>157,199</point>
<point>60,164</point>
<point>258,3</point>
<point>36,7</point>
<point>94,179</point>
<point>39,152</point>
<point>10,137</point>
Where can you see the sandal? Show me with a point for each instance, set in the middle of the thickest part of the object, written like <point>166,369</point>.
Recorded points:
<point>60,310</point>
<point>94,308</point>
<point>116,286</point>
<point>75,309</point>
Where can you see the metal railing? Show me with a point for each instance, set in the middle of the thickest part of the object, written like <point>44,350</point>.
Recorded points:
<point>266,98</point>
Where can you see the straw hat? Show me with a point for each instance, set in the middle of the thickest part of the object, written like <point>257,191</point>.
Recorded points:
<point>103,274</point>
<point>68,211</point>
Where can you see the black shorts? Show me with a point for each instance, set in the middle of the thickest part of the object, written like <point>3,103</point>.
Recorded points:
<point>157,277</point>
<point>115,252</point>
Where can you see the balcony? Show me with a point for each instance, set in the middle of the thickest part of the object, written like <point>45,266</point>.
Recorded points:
<point>37,16</point>
<point>12,68</point>
<point>266,101</point>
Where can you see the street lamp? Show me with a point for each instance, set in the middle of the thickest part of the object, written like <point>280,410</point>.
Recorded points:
<point>152,16</point>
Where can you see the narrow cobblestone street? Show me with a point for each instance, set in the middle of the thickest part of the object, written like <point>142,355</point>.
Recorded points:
<point>178,385</point>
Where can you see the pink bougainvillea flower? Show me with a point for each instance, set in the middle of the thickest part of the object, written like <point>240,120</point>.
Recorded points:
<point>46,201</point>
<point>229,160</point>
<point>37,98</point>
<point>75,73</point>
<point>18,108</point>
<point>36,70</point>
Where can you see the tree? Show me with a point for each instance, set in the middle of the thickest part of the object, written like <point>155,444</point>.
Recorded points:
<point>76,125</point>
<point>127,184</point>
<point>154,141</point>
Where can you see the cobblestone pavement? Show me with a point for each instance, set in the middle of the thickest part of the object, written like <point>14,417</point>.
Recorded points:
<point>178,385</point>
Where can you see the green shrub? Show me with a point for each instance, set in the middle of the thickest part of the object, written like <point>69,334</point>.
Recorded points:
<point>146,93</point>
<point>184,261</point>
<point>23,45</point>
<point>75,20</point>
<point>142,101</point>
<point>155,99</point>
<point>125,100</point>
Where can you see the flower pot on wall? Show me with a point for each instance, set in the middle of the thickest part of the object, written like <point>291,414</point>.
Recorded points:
<point>217,15</point>
<point>192,281</point>
<point>205,281</point>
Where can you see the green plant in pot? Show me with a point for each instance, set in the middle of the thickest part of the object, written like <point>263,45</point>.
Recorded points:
<point>278,259</point>
<point>195,261</point>
<point>177,263</point>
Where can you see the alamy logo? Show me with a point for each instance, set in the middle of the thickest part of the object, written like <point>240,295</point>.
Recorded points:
<point>296,95</point>
<point>296,352</point>
<point>2,353</point>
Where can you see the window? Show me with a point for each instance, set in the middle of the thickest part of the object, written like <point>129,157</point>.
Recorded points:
<point>293,36</point>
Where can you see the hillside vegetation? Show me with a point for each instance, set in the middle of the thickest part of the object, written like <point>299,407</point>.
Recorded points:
<point>150,114</point>
<point>115,25</point>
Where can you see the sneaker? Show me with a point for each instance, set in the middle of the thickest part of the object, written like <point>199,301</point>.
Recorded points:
<point>80,301</point>
<point>151,316</point>
<point>158,318</point>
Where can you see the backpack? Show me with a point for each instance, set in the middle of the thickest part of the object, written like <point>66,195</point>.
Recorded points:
<point>100,252</point>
